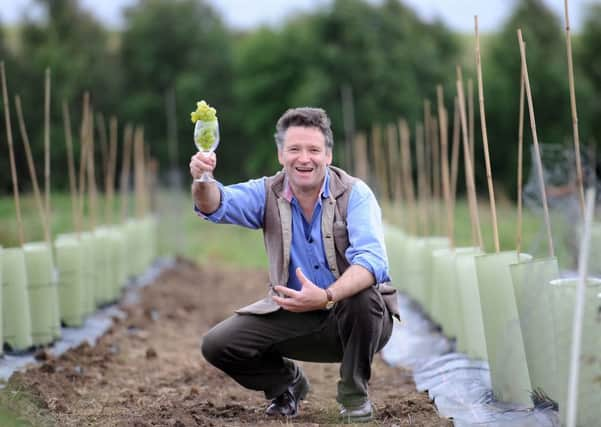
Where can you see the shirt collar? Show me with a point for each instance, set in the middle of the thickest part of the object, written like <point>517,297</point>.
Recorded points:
<point>324,193</point>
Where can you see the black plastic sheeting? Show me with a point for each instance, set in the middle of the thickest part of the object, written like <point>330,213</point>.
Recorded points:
<point>459,386</point>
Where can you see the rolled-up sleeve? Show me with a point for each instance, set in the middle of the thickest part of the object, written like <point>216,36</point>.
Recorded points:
<point>365,231</point>
<point>241,204</point>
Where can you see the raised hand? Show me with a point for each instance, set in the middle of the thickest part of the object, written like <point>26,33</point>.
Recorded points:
<point>202,162</point>
<point>310,297</point>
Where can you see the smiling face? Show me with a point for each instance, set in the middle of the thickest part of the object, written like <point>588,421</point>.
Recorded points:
<point>304,157</point>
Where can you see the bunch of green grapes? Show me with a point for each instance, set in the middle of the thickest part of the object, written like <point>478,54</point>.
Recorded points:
<point>203,112</point>
<point>206,138</point>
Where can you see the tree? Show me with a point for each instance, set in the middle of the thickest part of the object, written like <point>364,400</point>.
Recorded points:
<point>390,58</point>
<point>179,45</point>
<point>588,54</point>
<point>69,41</point>
<point>547,67</point>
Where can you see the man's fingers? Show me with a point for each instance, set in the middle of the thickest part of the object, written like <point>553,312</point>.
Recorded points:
<point>301,276</point>
<point>286,291</point>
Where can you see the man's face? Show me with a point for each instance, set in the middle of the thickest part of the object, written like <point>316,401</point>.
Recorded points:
<point>304,157</point>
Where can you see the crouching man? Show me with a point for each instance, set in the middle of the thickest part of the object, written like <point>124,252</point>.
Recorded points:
<point>328,300</point>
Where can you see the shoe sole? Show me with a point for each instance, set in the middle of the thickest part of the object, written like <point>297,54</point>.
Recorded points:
<point>355,420</point>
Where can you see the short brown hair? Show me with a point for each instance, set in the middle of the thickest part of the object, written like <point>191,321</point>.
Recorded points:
<point>305,117</point>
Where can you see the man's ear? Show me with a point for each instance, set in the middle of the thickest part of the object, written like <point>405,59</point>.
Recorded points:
<point>280,159</point>
<point>329,156</point>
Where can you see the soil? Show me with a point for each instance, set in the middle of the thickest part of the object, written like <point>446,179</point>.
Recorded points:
<point>147,370</point>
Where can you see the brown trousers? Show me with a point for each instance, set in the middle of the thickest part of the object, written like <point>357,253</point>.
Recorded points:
<point>255,350</point>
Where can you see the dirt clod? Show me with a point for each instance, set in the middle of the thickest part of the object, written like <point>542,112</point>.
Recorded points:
<point>151,353</point>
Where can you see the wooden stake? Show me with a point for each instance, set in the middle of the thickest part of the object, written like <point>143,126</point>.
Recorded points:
<point>408,174</point>
<point>13,167</point>
<point>538,161</point>
<point>520,163</point>
<point>579,178</point>
<point>446,189</point>
<point>469,172</point>
<point>71,166</point>
<point>491,189</point>
<point>455,152</point>
<point>47,145</point>
<point>34,179</point>
<point>125,171</point>
<point>111,167</point>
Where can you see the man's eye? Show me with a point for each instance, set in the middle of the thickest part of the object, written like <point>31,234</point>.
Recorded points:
<point>294,149</point>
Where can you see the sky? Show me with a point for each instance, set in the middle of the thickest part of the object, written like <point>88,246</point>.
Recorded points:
<point>245,14</point>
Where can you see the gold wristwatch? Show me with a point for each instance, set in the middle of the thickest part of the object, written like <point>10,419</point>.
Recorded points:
<point>330,303</point>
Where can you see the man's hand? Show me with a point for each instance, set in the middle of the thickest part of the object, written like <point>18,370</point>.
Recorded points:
<point>310,297</point>
<point>202,162</point>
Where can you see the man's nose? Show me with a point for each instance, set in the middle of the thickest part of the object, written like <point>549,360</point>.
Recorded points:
<point>304,156</point>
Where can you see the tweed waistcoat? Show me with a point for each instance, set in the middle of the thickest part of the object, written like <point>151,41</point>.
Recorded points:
<point>277,234</point>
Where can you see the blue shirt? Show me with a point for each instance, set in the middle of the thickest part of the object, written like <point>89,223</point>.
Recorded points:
<point>244,204</point>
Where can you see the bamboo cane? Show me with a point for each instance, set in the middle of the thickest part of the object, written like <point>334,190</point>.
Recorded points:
<point>376,146</point>
<point>436,181</point>
<point>537,159</point>
<point>471,119</point>
<point>469,172</point>
<point>101,124</point>
<point>125,170</point>
<point>574,109</point>
<point>520,163</point>
<point>360,156</point>
<point>445,163</point>
<point>393,164</point>
<point>455,151</point>
<point>111,167</point>
<point>83,140</point>
<point>71,166</point>
<point>421,180</point>
<point>576,347</point>
<point>408,174</point>
<point>32,172</point>
<point>138,168</point>
<point>47,145</point>
<point>427,165</point>
<point>93,193</point>
<point>13,166</point>
<point>491,189</point>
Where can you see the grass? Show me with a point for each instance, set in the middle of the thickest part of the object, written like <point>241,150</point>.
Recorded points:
<point>19,408</point>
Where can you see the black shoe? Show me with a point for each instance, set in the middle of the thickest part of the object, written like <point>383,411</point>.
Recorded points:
<point>286,404</point>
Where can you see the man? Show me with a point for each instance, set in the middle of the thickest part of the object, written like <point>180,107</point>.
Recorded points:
<point>328,301</point>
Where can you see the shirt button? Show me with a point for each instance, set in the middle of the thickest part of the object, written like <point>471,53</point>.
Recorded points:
<point>316,267</point>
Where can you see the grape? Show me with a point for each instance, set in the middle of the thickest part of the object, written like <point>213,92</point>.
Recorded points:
<point>206,138</point>
<point>203,112</point>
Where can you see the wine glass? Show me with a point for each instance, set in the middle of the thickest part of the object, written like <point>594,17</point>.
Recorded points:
<point>206,139</point>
